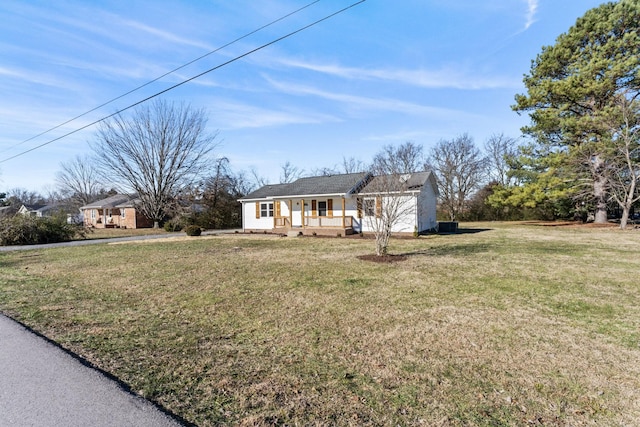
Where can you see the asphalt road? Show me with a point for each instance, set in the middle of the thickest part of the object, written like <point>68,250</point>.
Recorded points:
<point>42,385</point>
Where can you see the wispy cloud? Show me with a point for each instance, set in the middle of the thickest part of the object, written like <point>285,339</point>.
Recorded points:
<point>532,8</point>
<point>164,35</point>
<point>440,79</point>
<point>242,116</point>
<point>355,103</point>
<point>35,78</point>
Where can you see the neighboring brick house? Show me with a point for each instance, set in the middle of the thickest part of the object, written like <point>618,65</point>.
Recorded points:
<point>338,204</point>
<point>118,211</point>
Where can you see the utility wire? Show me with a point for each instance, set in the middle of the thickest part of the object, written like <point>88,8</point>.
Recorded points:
<point>279,39</point>
<point>188,80</point>
<point>164,75</point>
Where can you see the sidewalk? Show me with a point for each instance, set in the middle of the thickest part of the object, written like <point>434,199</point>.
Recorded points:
<point>40,385</point>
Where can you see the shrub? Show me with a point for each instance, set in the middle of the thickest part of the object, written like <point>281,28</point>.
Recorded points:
<point>29,230</point>
<point>193,230</point>
<point>172,225</point>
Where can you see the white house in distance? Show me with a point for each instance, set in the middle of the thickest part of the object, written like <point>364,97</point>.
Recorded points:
<point>338,204</point>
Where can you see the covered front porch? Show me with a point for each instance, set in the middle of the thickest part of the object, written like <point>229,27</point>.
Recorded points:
<point>326,216</point>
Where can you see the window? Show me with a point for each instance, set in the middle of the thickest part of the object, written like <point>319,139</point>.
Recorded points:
<point>322,208</point>
<point>93,214</point>
<point>266,210</point>
<point>369,207</point>
<point>122,212</point>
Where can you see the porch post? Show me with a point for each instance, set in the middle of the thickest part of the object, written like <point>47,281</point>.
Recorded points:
<point>343,212</point>
<point>302,211</point>
<point>290,213</point>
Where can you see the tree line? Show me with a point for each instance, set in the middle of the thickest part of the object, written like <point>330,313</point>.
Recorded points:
<point>177,175</point>
<point>579,158</point>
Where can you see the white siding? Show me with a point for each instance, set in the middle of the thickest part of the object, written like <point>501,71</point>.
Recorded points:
<point>406,223</point>
<point>427,201</point>
<point>249,220</point>
<point>421,212</point>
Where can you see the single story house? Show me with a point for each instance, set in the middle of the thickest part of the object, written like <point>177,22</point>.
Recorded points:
<point>39,210</point>
<point>118,211</point>
<point>344,204</point>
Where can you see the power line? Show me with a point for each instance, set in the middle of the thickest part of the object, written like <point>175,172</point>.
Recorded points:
<point>162,76</point>
<point>279,39</point>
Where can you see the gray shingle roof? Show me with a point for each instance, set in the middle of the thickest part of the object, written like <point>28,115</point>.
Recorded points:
<point>109,202</point>
<point>315,185</point>
<point>405,182</point>
<point>130,203</point>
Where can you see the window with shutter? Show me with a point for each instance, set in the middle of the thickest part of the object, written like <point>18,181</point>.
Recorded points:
<point>369,207</point>
<point>322,208</point>
<point>266,210</point>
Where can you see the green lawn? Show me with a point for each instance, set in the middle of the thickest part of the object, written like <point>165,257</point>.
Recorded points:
<point>510,324</point>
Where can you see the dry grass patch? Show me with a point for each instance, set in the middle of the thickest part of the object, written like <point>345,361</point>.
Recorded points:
<point>108,233</point>
<point>517,325</point>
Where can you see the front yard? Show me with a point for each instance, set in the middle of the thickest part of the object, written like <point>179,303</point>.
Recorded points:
<point>510,324</point>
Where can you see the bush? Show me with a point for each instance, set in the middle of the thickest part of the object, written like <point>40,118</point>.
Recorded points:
<point>29,230</point>
<point>172,225</point>
<point>193,230</point>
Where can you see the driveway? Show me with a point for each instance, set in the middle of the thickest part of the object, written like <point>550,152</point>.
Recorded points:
<point>102,241</point>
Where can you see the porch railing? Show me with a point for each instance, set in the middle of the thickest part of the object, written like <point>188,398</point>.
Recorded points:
<point>323,221</point>
<point>316,221</point>
<point>282,221</point>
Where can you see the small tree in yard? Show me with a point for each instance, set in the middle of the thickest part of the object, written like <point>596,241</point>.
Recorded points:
<point>158,150</point>
<point>624,167</point>
<point>385,203</point>
<point>386,199</point>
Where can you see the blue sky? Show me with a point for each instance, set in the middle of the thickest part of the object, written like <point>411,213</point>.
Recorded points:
<point>383,72</point>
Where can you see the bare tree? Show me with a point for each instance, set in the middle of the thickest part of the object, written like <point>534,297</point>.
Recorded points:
<point>21,196</point>
<point>289,173</point>
<point>258,180</point>
<point>79,181</point>
<point>386,200</point>
<point>242,184</point>
<point>325,171</point>
<point>404,158</point>
<point>348,165</point>
<point>353,165</point>
<point>158,150</point>
<point>500,149</point>
<point>625,157</point>
<point>52,195</point>
<point>460,169</point>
